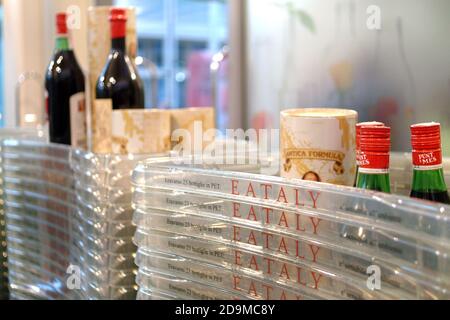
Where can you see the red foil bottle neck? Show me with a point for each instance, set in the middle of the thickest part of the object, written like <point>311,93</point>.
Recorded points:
<point>61,24</point>
<point>358,131</point>
<point>426,144</point>
<point>375,147</point>
<point>118,20</point>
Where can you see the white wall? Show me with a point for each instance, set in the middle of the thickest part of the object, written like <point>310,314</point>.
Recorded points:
<point>29,29</point>
<point>290,67</point>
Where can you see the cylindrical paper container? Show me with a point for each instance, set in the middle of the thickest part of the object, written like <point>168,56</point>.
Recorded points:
<point>319,145</point>
<point>140,131</point>
<point>198,123</point>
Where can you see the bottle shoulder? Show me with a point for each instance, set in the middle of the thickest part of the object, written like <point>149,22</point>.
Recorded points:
<point>118,68</point>
<point>64,63</point>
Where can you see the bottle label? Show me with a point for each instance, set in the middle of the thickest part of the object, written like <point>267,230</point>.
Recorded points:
<point>427,160</point>
<point>328,158</point>
<point>78,126</point>
<point>373,162</point>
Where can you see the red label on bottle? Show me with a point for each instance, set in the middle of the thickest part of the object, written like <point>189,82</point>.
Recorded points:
<point>427,158</point>
<point>378,161</point>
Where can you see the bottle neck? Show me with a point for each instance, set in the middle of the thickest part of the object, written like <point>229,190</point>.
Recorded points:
<point>118,44</point>
<point>375,180</point>
<point>429,180</point>
<point>62,42</point>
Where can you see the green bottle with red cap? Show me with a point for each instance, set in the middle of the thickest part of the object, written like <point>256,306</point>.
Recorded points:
<point>358,135</point>
<point>428,179</point>
<point>373,158</point>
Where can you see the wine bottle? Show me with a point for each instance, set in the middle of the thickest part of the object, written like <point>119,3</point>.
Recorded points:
<point>64,83</point>
<point>119,81</point>
<point>374,156</point>
<point>428,182</point>
<point>358,137</point>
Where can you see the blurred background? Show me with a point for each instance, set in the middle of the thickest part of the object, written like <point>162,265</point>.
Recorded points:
<point>250,59</point>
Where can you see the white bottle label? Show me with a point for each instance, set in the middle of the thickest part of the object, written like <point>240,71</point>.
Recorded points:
<point>78,126</point>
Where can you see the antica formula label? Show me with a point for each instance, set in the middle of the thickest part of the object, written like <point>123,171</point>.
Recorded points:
<point>319,145</point>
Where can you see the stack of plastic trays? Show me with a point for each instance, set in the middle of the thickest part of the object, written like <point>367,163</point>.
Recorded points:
<point>7,134</point>
<point>105,231</point>
<point>3,261</point>
<point>39,201</point>
<point>3,256</point>
<point>218,232</point>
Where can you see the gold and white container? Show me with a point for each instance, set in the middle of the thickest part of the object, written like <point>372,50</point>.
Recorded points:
<point>319,145</point>
<point>190,125</point>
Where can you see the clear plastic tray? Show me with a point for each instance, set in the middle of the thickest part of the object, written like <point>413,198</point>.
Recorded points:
<point>93,292</point>
<point>333,251</point>
<point>109,260</point>
<point>103,228</point>
<point>237,280</point>
<point>84,199</point>
<point>192,289</point>
<point>109,277</point>
<point>5,134</point>
<point>279,269</point>
<point>408,237</point>
<point>151,294</point>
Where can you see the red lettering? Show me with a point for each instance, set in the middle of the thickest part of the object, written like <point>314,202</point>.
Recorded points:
<point>254,263</point>
<point>252,290</point>
<point>236,208</point>
<point>282,196</point>
<point>269,265</point>
<point>316,277</point>
<point>266,187</point>
<point>268,291</point>
<point>284,272</point>
<point>299,224</point>
<point>268,211</point>
<point>234,187</point>
<point>252,239</point>
<point>236,233</point>
<point>251,191</point>
<point>267,237</point>
<point>297,250</point>
<point>237,258</point>
<point>315,222</point>
<point>283,220</point>
<point>283,247</point>
<point>252,214</point>
<point>314,199</point>
<point>236,282</point>
<point>297,199</point>
<point>299,276</point>
<point>315,252</point>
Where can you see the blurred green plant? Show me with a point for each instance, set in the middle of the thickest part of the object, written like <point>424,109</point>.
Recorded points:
<point>303,17</point>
